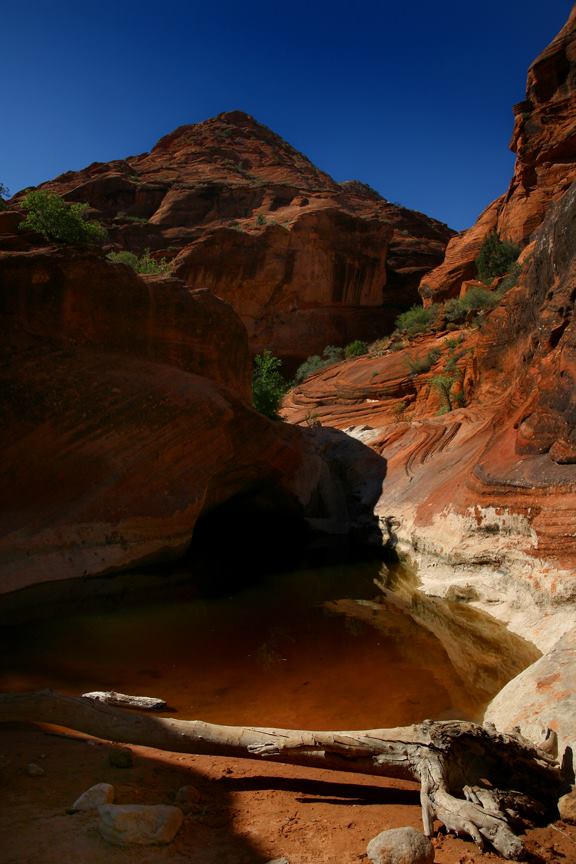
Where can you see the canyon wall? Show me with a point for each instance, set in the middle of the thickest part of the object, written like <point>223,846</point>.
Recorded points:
<point>305,261</point>
<point>123,419</point>
<point>544,141</point>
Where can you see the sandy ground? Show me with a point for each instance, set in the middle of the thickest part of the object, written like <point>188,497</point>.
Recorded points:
<point>248,813</point>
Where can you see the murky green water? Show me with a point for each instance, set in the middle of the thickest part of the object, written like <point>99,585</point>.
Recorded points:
<point>323,648</point>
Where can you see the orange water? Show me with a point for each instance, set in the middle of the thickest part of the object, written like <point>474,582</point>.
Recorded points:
<point>312,649</point>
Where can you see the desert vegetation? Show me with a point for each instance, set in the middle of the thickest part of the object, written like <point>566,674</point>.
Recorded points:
<point>52,217</point>
<point>332,354</point>
<point>4,193</point>
<point>445,381</point>
<point>268,384</point>
<point>496,258</point>
<point>141,264</point>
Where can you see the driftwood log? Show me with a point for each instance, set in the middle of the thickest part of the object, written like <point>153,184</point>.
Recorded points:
<point>473,779</point>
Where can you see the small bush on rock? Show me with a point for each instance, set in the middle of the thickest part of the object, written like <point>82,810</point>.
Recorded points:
<point>443,385</point>
<point>268,384</point>
<point>417,319</point>
<point>477,298</point>
<point>4,193</point>
<point>55,219</point>
<point>454,311</point>
<point>510,279</point>
<point>330,355</point>
<point>356,349</point>
<point>495,258</point>
<point>143,264</point>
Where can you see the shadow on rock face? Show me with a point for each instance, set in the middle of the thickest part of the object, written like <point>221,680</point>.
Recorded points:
<point>348,490</point>
<point>268,528</point>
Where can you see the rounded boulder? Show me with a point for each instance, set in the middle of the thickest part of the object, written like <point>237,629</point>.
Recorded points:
<point>401,846</point>
<point>139,824</point>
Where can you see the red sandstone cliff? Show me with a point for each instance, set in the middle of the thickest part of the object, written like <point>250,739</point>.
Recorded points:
<point>305,261</point>
<point>511,450</point>
<point>494,481</point>
<point>544,141</point>
<point>122,419</point>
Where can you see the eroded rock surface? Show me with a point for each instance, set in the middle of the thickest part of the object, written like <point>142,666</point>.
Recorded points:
<point>542,696</point>
<point>490,485</point>
<point>544,141</point>
<point>123,418</point>
<point>305,261</point>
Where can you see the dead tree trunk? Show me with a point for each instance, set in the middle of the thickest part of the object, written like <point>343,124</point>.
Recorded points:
<point>473,779</point>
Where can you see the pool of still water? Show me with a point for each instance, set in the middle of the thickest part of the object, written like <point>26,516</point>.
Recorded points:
<point>317,649</point>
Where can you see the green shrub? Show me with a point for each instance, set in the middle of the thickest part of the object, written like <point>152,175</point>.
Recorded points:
<point>495,258</point>
<point>55,219</point>
<point>416,365</point>
<point>268,384</point>
<point>452,344</point>
<point>333,354</point>
<point>356,349</point>
<point>311,364</point>
<point>417,319</point>
<point>122,216</point>
<point>330,356</point>
<point>457,309</point>
<point>443,384</point>
<point>128,258</point>
<point>399,409</point>
<point>261,219</point>
<point>4,193</point>
<point>477,298</point>
<point>510,279</point>
<point>144,264</point>
<point>454,311</point>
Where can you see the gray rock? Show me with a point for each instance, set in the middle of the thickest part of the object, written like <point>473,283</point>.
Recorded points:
<point>121,757</point>
<point>400,846</point>
<point>543,694</point>
<point>139,824</point>
<point>188,798</point>
<point>34,770</point>
<point>101,793</point>
<point>567,806</point>
<point>279,861</point>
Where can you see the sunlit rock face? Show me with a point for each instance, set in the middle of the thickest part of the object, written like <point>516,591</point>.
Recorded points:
<point>544,141</point>
<point>542,696</point>
<point>493,483</point>
<point>305,261</point>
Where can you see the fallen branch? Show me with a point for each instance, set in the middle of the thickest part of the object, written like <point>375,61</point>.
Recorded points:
<point>473,779</point>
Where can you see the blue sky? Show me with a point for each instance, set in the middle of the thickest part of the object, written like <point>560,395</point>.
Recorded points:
<point>413,98</point>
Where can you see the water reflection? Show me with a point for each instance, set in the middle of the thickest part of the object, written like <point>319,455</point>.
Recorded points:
<point>292,651</point>
<point>482,652</point>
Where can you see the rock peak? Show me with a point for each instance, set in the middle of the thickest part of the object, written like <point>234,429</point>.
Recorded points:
<point>237,118</point>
